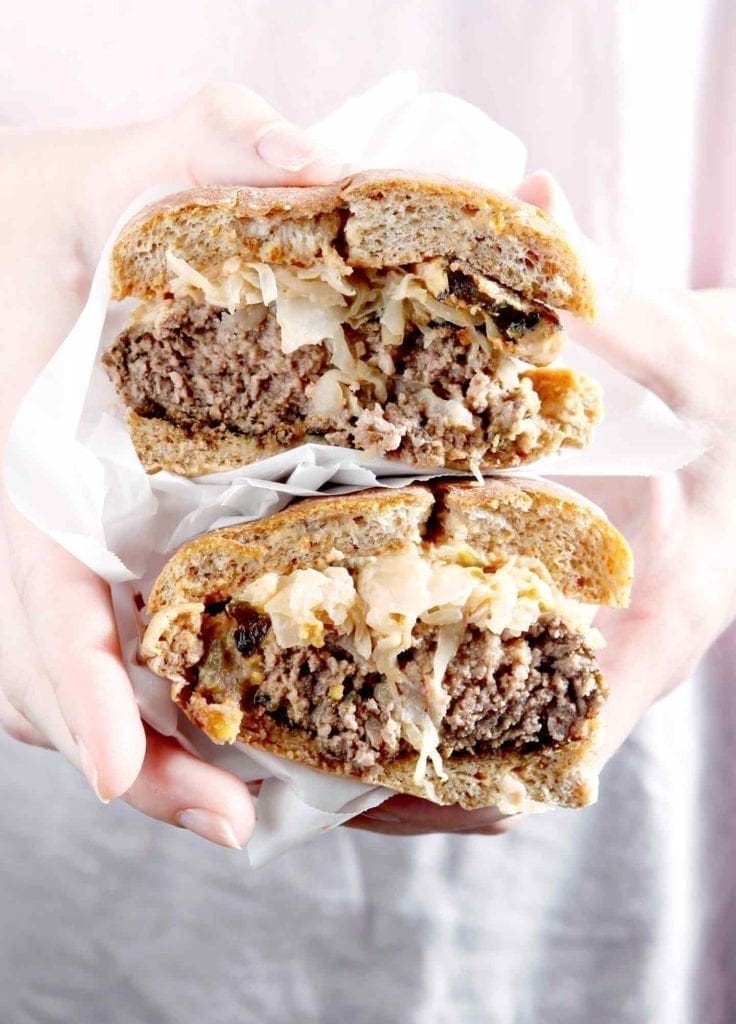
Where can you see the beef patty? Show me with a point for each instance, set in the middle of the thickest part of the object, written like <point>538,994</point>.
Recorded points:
<point>198,366</point>
<point>504,692</point>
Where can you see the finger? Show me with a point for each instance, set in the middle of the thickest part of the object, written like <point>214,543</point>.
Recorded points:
<point>652,337</point>
<point>72,625</point>
<point>629,696</point>
<point>223,135</point>
<point>363,823</point>
<point>541,189</point>
<point>366,823</point>
<point>409,815</point>
<point>425,814</point>
<point>499,829</point>
<point>25,684</point>
<point>637,672</point>
<point>176,787</point>
<point>228,135</point>
<point>18,727</point>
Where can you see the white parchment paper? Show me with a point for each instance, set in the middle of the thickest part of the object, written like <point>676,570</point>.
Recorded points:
<point>72,470</point>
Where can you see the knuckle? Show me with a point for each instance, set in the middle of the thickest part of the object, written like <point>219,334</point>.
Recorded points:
<point>17,699</point>
<point>20,574</point>
<point>213,99</point>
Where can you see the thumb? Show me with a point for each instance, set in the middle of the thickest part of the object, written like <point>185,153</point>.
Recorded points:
<point>224,135</point>
<point>228,135</point>
<point>541,189</point>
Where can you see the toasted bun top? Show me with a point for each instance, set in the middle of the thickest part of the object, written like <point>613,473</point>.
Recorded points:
<point>375,219</point>
<point>587,557</point>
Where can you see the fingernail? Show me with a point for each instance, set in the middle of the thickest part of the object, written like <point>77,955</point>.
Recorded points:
<point>209,826</point>
<point>490,828</point>
<point>90,771</point>
<point>284,146</point>
<point>384,816</point>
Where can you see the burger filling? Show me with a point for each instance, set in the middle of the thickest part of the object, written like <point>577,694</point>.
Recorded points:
<point>467,657</point>
<point>421,363</point>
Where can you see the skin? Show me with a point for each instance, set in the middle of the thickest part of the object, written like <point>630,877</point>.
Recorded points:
<point>62,682</point>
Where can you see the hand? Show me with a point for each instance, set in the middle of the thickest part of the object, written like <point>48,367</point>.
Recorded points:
<point>62,681</point>
<point>682,527</point>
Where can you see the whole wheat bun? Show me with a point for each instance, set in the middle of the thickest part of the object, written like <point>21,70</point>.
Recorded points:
<point>586,556</point>
<point>375,219</point>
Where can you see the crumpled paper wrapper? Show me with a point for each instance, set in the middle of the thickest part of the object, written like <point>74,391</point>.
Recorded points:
<point>72,470</point>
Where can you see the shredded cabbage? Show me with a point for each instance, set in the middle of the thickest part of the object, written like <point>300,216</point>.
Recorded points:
<point>429,743</point>
<point>304,322</point>
<point>434,276</point>
<point>327,395</point>
<point>297,600</point>
<point>450,409</point>
<point>448,641</point>
<point>312,305</point>
<point>260,591</point>
<point>241,284</point>
<point>355,370</point>
<point>333,270</point>
<point>317,283</point>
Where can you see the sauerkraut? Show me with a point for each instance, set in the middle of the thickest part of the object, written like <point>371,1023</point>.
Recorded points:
<point>313,305</point>
<point>378,602</point>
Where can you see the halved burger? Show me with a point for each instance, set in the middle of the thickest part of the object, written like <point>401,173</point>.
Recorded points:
<point>434,639</point>
<point>406,317</point>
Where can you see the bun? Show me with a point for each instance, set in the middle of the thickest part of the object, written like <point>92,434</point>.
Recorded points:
<point>376,219</point>
<point>586,556</point>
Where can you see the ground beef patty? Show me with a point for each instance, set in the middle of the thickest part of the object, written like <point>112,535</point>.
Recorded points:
<point>198,366</point>
<point>193,364</point>
<point>504,692</point>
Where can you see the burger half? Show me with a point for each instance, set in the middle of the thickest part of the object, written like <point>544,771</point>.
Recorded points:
<point>406,317</point>
<point>434,639</point>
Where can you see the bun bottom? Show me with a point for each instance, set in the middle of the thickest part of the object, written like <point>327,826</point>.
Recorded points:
<point>571,406</point>
<point>514,781</point>
<point>161,445</point>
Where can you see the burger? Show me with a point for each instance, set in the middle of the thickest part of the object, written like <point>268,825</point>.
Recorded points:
<point>434,639</point>
<point>406,317</point>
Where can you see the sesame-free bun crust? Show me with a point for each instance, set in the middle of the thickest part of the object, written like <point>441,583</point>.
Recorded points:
<point>586,556</point>
<point>375,219</point>
<point>223,561</point>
